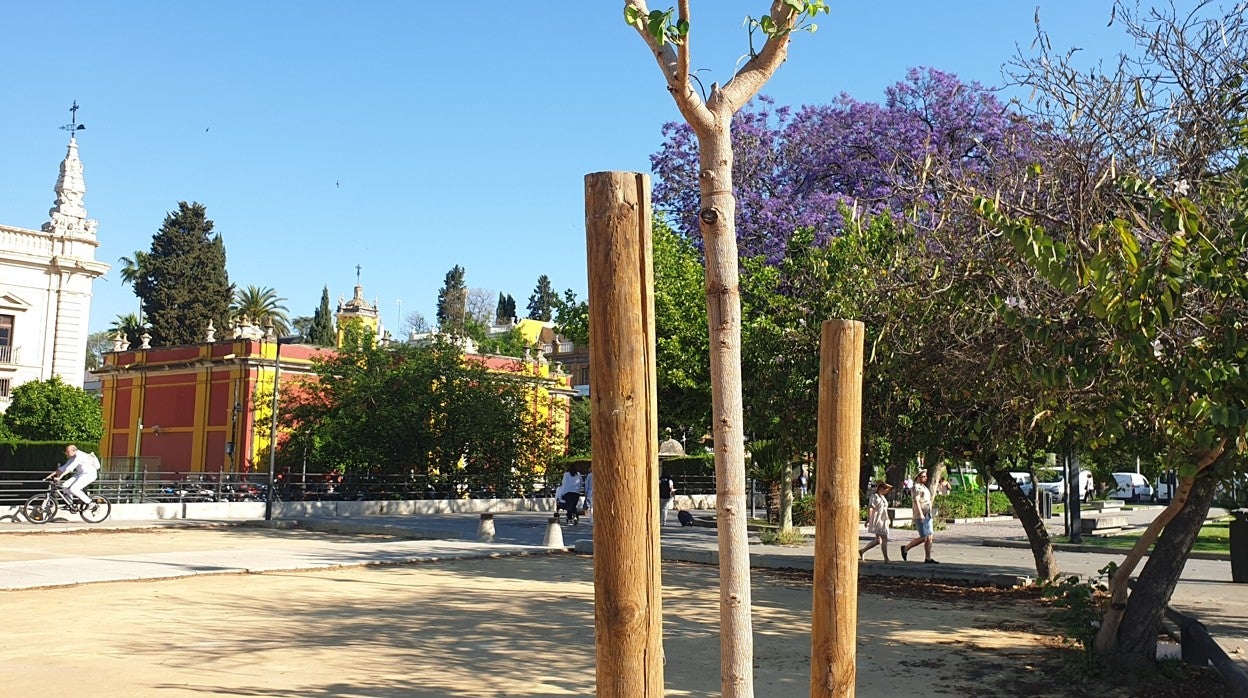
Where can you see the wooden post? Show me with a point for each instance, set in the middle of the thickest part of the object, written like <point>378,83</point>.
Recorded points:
<point>628,614</point>
<point>838,452</point>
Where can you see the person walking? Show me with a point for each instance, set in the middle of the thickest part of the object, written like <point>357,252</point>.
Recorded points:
<point>877,519</point>
<point>569,493</point>
<point>589,493</point>
<point>921,502</point>
<point>667,492</point>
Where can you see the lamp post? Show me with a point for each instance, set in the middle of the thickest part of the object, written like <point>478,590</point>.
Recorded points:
<point>277,372</point>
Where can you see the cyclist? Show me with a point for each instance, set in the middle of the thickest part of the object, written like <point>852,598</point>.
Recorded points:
<point>85,468</point>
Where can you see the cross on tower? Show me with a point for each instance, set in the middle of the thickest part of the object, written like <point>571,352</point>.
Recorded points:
<point>73,124</point>
<point>357,275</point>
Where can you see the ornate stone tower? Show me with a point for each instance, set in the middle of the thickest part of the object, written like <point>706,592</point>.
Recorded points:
<point>72,267</point>
<point>357,310</point>
<point>45,286</point>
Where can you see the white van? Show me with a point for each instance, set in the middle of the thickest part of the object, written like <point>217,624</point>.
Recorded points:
<point>1023,480</point>
<point>1166,484</point>
<point>1057,487</point>
<point>1132,487</point>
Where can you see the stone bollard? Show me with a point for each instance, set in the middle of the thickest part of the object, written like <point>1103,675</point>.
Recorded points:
<point>554,534</point>
<point>485,531</point>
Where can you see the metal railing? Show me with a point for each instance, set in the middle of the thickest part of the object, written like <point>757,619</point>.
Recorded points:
<point>126,483</point>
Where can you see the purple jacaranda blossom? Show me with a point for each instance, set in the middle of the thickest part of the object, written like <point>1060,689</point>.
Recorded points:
<point>803,168</point>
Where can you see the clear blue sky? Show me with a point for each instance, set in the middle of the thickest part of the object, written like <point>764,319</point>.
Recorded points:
<point>408,137</point>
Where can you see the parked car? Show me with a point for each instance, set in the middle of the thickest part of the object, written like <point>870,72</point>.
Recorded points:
<point>1057,487</point>
<point>1132,487</point>
<point>1023,480</point>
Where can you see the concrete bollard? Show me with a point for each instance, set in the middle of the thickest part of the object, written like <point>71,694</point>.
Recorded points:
<point>554,534</point>
<point>485,531</point>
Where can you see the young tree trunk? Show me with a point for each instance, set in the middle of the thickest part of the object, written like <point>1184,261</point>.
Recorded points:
<point>723,312</point>
<point>786,500</point>
<point>1029,517</point>
<point>711,121</point>
<point>1106,643</point>
<point>1137,635</point>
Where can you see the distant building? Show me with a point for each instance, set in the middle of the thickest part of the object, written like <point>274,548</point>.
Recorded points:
<point>45,288</point>
<point>205,408</point>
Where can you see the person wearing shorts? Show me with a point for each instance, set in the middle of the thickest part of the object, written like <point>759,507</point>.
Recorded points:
<point>921,502</point>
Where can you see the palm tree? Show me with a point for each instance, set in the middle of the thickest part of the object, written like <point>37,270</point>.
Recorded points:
<point>129,325</point>
<point>262,306</point>
<point>772,466</point>
<point>131,271</point>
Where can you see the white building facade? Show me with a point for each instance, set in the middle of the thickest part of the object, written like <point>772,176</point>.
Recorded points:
<point>45,288</point>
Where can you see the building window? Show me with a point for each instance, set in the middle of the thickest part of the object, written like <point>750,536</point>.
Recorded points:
<point>6,340</point>
<point>4,386</point>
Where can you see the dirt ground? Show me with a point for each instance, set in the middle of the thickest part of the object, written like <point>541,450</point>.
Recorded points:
<point>520,626</point>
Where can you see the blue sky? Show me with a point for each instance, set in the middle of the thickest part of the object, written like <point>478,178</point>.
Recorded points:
<point>408,137</point>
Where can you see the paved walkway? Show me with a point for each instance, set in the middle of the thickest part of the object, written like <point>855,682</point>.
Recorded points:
<point>964,550</point>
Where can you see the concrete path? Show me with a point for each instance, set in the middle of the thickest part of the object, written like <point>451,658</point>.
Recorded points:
<point>964,551</point>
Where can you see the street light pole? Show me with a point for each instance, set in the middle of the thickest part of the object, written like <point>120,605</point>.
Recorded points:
<point>277,372</point>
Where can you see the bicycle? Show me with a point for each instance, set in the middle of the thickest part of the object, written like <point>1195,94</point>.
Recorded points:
<point>42,508</point>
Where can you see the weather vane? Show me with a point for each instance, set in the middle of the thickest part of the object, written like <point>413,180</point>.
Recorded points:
<point>73,124</point>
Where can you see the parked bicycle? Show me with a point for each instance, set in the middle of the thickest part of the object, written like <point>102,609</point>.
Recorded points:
<point>42,508</point>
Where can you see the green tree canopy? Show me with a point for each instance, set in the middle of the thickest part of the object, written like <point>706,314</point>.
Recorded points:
<point>682,351</point>
<point>182,281</point>
<point>97,344</point>
<point>453,301</point>
<point>321,333</point>
<point>542,301</point>
<point>422,410</point>
<point>50,410</point>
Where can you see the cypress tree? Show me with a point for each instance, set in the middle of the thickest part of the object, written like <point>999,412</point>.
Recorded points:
<point>322,331</point>
<point>183,283</point>
<point>452,300</point>
<point>506,309</point>
<point>542,302</point>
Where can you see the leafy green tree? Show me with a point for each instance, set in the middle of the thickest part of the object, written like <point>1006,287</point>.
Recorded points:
<point>301,325</point>
<point>97,344</point>
<point>452,301</point>
<point>572,318</point>
<point>422,410</point>
<point>682,354</point>
<point>1135,231</point>
<point>262,306</point>
<point>510,343</point>
<point>579,441</point>
<point>542,300</point>
<point>50,410</point>
<point>321,333</point>
<point>182,281</point>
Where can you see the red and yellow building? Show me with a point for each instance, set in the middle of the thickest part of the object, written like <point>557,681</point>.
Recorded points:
<point>207,407</point>
<point>194,408</point>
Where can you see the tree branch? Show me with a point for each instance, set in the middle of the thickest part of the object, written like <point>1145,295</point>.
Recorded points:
<point>674,63</point>
<point>755,73</point>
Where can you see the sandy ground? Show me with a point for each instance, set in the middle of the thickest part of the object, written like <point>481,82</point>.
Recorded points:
<point>519,626</point>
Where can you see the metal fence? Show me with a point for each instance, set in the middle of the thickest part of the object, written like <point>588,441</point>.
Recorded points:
<point>130,485</point>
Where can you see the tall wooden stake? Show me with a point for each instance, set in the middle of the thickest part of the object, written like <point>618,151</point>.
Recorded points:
<point>628,612</point>
<point>838,452</point>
